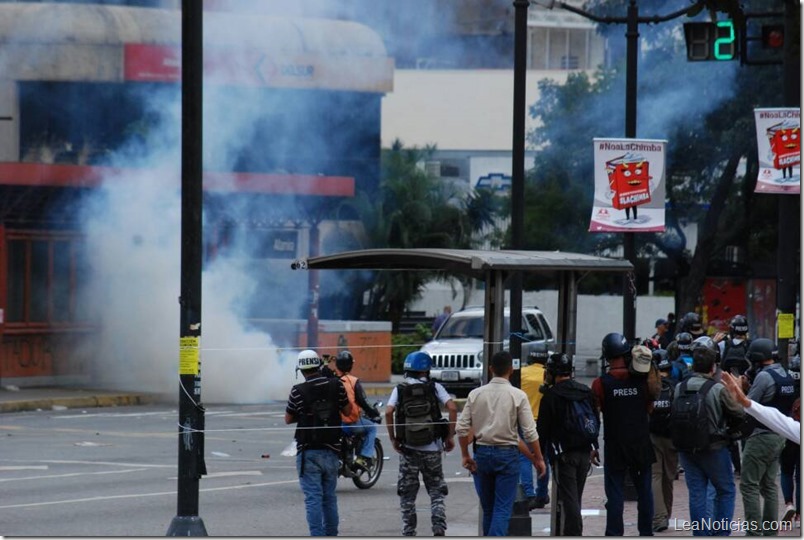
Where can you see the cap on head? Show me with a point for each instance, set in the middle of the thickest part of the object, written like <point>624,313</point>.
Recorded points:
<point>615,345</point>
<point>308,360</point>
<point>660,322</point>
<point>641,358</point>
<point>418,361</point>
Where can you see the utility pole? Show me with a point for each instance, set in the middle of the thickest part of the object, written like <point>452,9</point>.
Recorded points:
<point>191,412</point>
<point>518,180</point>
<point>788,255</point>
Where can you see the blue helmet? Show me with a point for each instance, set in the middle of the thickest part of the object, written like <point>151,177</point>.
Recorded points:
<point>418,361</point>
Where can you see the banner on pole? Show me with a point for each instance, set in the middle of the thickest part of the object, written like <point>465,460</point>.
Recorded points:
<point>779,150</point>
<point>629,185</point>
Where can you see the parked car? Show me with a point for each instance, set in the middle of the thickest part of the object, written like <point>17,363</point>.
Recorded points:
<point>457,347</point>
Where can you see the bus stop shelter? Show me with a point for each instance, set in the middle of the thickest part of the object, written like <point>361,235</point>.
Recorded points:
<point>492,267</point>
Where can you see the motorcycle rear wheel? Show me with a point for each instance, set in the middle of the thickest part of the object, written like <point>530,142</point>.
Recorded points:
<point>367,478</point>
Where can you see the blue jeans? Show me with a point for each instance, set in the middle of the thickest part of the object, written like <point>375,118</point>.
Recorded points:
<point>712,467</point>
<point>318,480</point>
<point>613,483</point>
<point>526,478</point>
<point>367,427</point>
<point>496,479</point>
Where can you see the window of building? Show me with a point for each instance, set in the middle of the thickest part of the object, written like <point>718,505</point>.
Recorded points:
<point>45,273</point>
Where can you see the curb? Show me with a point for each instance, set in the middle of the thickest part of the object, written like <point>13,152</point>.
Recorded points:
<point>112,400</point>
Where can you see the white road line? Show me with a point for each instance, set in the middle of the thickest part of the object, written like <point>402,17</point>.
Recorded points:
<point>22,467</point>
<point>66,475</point>
<point>112,463</point>
<point>227,473</point>
<point>112,415</point>
<point>137,495</point>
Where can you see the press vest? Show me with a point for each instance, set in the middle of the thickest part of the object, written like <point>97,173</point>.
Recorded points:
<point>625,422</point>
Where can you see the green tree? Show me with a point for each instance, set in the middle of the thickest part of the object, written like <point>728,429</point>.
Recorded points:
<point>413,210</point>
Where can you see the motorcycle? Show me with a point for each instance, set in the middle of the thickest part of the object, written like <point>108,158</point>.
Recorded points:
<point>363,477</point>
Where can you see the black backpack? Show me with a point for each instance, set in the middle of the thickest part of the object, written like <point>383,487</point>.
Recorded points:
<point>581,425</point>
<point>417,411</point>
<point>689,419</point>
<point>734,360</point>
<point>320,425</point>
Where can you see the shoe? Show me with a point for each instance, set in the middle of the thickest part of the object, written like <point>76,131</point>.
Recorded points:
<point>789,513</point>
<point>439,532</point>
<point>363,462</point>
<point>540,502</point>
<point>659,528</point>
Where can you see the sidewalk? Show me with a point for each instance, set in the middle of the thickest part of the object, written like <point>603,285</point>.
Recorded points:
<point>14,399</point>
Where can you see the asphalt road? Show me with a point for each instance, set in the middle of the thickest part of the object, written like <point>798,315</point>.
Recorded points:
<point>112,472</point>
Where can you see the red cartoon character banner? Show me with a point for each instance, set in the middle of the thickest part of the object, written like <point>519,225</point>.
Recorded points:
<point>779,146</point>
<point>629,185</point>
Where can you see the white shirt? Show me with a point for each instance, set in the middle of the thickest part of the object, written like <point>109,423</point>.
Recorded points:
<point>442,395</point>
<point>776,421</point>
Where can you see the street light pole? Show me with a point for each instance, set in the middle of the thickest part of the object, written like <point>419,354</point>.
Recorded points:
<point>191,464</point>
<point>629,240</point>
<point>518,178</point>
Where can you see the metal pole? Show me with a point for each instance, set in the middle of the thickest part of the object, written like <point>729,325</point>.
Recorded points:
<point>518,177</point>
<point>191,413</point>
<point>789,214</point>
<point>629,249</point>
<point>314,290</point>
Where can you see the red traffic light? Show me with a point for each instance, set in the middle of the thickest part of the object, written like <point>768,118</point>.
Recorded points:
<point>773,36</point>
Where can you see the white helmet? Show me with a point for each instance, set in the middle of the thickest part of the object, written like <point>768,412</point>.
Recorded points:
<point>308,359</point>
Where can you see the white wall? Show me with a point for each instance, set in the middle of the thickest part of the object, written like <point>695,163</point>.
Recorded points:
<point>597,315</point>
<point>456,109</point>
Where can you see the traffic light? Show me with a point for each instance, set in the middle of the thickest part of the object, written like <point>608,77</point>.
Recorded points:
<point>710,41</point>
<point>772,36</point>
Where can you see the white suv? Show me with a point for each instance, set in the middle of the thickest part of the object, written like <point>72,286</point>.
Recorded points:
<point>457,347</point>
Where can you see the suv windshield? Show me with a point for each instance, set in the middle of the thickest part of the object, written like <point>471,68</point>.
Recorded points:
<point>466,327</point>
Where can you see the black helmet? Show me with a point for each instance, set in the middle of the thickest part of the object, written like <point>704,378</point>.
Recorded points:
<point>760,350</point>
<point>684,341</point>
<point>661,360</point>
<point>559,364</point>
<point>704,345</point>
<point>344,361</point>
<point>692,323</point>
<point>738,325</point>
<point>615,345</point>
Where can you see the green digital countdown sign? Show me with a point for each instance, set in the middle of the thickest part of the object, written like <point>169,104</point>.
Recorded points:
<point>710,41</point>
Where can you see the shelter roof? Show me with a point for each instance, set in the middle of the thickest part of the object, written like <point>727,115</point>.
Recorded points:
<point>466,261</point>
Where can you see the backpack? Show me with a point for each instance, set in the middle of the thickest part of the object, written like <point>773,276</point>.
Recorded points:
<point>581,425</point>
<point>417,412</point>
<point>322,415</point>
<point>689,419</point>
<point>734,360</point>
